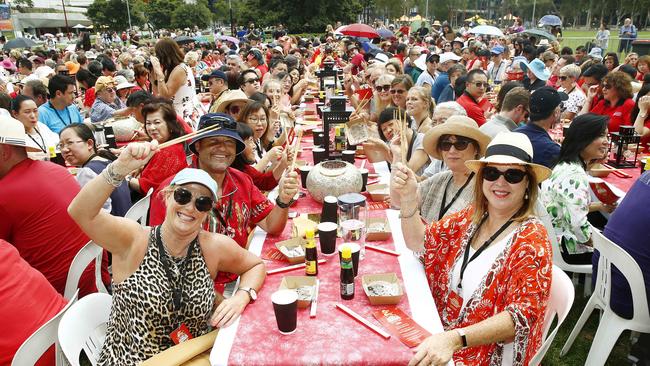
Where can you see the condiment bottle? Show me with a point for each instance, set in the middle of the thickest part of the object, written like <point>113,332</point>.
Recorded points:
<point>347,274</point>
<point>311,256</point>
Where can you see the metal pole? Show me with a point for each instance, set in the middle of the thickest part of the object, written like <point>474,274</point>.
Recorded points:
<point>426,11</point>
<point>233,31</point>
<point>534,4</point>
<point>128,13</point>
<point>65,17</point>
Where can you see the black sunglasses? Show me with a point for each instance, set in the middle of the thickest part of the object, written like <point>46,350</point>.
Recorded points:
<point>460,145</point>
<point>397,91</point>
<point>381,88</point>
<point>512,176</point>
<point>203,203</point>
<point>480,84</point>
<point>562,77</point>
<point>252,81</point>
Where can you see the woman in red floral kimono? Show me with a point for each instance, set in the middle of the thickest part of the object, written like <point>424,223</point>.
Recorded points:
<point>489,265</point>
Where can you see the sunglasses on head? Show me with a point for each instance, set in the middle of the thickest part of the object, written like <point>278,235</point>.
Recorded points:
<point>183,196</point>
<point>381,88</point>
<point>460,144</point>
<point>512,176</point>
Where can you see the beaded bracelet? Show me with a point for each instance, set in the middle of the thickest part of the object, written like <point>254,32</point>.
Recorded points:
<point>111,177</point>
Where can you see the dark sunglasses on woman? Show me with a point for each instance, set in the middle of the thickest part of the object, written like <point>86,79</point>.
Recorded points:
<point>512,176</point>
<point>460,144</point>
<point>381,88</point>
<point>182,196</point>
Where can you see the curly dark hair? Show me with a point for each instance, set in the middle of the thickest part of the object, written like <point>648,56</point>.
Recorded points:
<point>621,82</point>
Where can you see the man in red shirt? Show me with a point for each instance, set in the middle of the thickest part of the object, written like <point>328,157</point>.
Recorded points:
<point>472,99</point>
<point>241,205</point>
<point>255,60</point>
<point>34,199</point>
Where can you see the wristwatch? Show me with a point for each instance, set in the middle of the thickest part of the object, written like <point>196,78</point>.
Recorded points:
<point>463,337</point>
<point>252,294</point>
<point>284,205</point>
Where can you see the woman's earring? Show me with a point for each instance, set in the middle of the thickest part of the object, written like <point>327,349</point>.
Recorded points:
<point>526,195</point>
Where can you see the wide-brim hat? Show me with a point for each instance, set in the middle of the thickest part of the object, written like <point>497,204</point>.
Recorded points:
<point>421,62</point>
<point>192,175</point>
<point>231,97</point>
<point>12,132</point>
<point>537,67</point>
<point>457,126</point>
<point>510,148</point>
<point>228,129</point>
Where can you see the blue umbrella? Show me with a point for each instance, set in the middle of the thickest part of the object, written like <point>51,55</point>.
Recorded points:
<point>550,20</point>
<point>367,47</point>
<point>385,33</point>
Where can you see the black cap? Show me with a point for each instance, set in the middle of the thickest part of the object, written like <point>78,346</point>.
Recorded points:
<point>215,74</point>
<point>433,57</point>
<point>543,101</point>
<point>597,71</point>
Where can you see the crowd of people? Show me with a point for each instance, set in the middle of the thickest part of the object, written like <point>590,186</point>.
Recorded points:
<point>480,166</point>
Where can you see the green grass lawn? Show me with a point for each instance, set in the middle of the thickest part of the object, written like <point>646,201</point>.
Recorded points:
<point>580,349</point>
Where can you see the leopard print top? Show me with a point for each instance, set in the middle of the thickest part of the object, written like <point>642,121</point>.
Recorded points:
<point>142,315</point>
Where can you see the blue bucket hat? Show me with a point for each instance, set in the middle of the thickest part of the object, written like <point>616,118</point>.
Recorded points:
<point>537,67</point>
<point>191,175</point>
<point>497,50</point>
<point>228,128</point>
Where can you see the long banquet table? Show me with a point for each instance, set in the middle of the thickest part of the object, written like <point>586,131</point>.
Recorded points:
<point>331,337</point>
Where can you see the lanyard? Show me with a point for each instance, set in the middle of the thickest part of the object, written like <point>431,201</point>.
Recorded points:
<point>444,207</point>
<point>177,286</point>
<point>61,118</point>
<point>480,250</point>
<point>44,148</point>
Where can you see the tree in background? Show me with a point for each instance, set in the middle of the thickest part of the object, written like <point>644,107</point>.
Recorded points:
<point>159,12</point>
<point>190,15</point>
<point>103,14</point>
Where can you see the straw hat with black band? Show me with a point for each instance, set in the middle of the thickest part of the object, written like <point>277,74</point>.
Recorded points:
<point>458,126</point>
<point>510,148</point>
<point>229,98</point>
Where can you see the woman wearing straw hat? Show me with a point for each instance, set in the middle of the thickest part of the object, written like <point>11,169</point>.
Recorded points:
<point>454,142</point>
<point>488,265</point>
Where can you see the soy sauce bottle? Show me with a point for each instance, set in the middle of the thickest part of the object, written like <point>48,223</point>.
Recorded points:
<point>311,256</point>
<point>347,274</point>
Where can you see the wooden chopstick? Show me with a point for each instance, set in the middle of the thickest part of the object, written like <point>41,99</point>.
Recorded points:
<point>189,136</point>
<point>363,321</point>
<point>296,146</point>
<point>618,172</point>
<point>292,267</point>
<point>403,139</point>
<point>314,300</point>
<point>382,250</point>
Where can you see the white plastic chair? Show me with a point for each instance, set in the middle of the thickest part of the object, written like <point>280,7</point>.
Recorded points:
<point>558,260</point>
<point>87,254</point>
<point>138,212</point>
<point>560,302</point>
<point>41,340</point>
<point>611,325</point>
<point>83,327</point>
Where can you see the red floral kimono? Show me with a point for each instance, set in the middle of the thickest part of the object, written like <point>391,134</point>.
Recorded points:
<point>518,282</point>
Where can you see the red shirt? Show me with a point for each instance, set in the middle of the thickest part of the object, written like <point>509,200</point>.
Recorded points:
<point>645,140</point>
<point>263,69</point>
<point>164,164</point>
<point>89,97</point>
<point>27,301</point>
<point>475,111</point>
<point>405,30</point>
<point>34,200</point>
<point>186,127</point>
<point>249,206</point>
<point>619,114</point>
<point>263,181</point>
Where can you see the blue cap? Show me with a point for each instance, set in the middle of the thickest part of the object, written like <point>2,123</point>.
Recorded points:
<point>191,175</point>
<point>228,129</point>
<point>497,50</point>
<point>538,68</point>
<point>215,74</point>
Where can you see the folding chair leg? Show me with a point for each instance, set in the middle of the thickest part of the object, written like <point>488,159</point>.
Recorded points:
<point>589,308</point>
<point>609,329</point>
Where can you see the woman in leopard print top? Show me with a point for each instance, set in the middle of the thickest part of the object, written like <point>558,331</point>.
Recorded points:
<point>163,276</point>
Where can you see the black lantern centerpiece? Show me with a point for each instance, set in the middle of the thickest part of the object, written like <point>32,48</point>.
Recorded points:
<point>334,120</point>
<point>619,145</point>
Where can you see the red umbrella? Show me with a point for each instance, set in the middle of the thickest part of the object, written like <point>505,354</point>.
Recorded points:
<point>359,30</point>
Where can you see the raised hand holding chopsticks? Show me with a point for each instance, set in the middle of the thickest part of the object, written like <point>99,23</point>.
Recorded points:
<point>189,136</point>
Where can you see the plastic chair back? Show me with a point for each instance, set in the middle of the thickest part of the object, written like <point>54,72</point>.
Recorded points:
<point>139,211</point>
<point>612,254</point>
<point>41,340</point>
<point>83,327</point>
<point>560,302</point>
<point>87,254</point>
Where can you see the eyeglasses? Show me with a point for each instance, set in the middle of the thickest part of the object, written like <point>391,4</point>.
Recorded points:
<point>606,86</point>
<point>563,77</point>
<point>512,176</point>
<point>110,90</point>
<point>481,84</point>
<point>381,88</point>
<point>65,145</point>
<point>255,121</point>
<point>460,144</point>
<point>203,203</point>
<point>252,81</point>
<point>397,91</point>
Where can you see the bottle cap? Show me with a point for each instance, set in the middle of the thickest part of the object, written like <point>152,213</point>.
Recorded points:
<point>346,252</point>
<point>309,233</point>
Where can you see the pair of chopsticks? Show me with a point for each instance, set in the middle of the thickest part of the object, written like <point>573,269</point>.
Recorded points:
<point>403,125</point>
<point>314,300</point>
<point>352,314</point>
<point>382,250</point>
<point>360,107</point>
<point>296,147</point>
<point>619,173</point>
<point>292,267</point>
<point>189,136</point>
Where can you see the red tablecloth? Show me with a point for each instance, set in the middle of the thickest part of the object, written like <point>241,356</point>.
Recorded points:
<point>624,184</point>
<point>332,337</point>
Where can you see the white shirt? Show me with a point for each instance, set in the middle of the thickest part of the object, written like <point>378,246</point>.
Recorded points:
<point>44,139</point>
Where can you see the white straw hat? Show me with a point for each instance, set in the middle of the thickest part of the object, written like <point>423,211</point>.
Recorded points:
<point>12,132</point>
<point>510,148</point>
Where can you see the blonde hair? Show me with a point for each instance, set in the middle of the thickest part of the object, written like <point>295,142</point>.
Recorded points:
<point>191,57</point>
<point>424,94</point>
<point>526,210</point>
